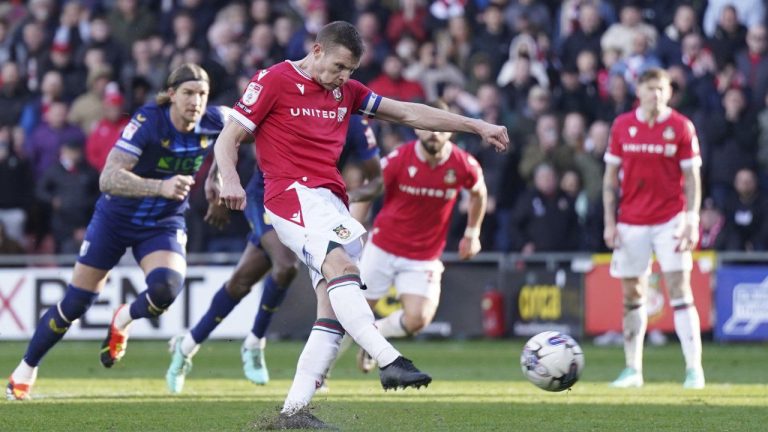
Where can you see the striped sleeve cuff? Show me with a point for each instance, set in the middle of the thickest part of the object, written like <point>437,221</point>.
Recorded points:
<point>128,148</point>
<point>690,163</point>
<point>242,120</point>
<point>611,159</point>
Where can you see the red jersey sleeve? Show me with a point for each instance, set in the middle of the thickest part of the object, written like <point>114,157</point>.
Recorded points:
<point>258,100</point>
<point>474,174</point>
<point>389,166</point>
<point>364,101</point>
<point>688,152</point>
<point>614,153</point>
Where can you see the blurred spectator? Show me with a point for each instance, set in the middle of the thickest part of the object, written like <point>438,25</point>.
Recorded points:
<point>762,148</point>
<point>61,59</point>
<point>572,96</point>
<point>746,216</point>
<point>492,37</point>
<point>261,49</point>
<point>749,13</point>
<point>620,100</point>
<point>523,47</point>
<point>621,35</point>
<point>13,94</point>
<point>669,49</point>
<point>544,219</point>
<point>6,41</point>
<point>73,28</point>
<point>130,21</point>
<point>730,36</point>
<point>729,144</point>
<point>314,17</point>
<point>101,38</point>
<point>456,42</point>
<point>639,59</point>
<point>143,64</point>
<point>545,147</point>
<point>71,188</point>
<point>30,53</point>
<point>185,33</point>
<point>571,185</point>
<point>587,164</point>
<point>529,10</point>
<point>42,147</point>
<point>752,63</point>
<point>16,175</point>
<point>585,37</point>
<point>480,72</point>
<point>408,20</point>
<point>712,223</point>
<point>433,72</point>
<point>51,90</point>
<point>696,57</point>
<point>8,244</point>
<point>370,31</point>
<point>107,131</point>
<point>86,109</point>
<point>392,84</point>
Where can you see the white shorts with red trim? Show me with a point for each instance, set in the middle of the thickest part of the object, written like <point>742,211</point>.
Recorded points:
<point>380,269</point>
<point>308,220</point>
<point>637,243</point>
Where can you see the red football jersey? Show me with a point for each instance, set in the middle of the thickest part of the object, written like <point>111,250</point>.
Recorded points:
<point>418,200</point>
<point>299,126</point>
<point>651,159</point>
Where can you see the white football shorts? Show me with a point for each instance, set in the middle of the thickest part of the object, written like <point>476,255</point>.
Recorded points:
<point>380,269</point>
<point>308,220</point>
<point>639,242</point>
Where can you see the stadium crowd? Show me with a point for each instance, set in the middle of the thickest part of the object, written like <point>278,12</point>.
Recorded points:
<point>556,73</point>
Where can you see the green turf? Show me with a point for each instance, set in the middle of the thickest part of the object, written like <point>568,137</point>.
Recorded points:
<point>477,386</point>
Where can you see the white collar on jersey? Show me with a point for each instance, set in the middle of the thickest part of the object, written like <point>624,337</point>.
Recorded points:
<point>447,149</point>
<point>659,118</point>
<point>301,71</point>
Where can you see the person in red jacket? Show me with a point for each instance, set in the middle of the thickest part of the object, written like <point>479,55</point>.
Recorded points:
<point>107,130</point>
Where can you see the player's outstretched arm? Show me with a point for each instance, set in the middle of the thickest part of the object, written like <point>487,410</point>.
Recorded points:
<point>469,245</point>
<point>117,179</point>
<point>424,117</point>
<point>231,194</point>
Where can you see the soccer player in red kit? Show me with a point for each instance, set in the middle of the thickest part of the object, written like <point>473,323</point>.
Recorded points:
<point>657,152</point>
<point>422,181</point>
<point>299,113</point>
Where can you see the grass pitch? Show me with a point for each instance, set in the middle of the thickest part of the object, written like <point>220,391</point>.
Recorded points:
<point>477,386</point>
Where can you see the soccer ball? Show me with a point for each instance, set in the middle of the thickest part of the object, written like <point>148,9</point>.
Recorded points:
<point>552,361</point>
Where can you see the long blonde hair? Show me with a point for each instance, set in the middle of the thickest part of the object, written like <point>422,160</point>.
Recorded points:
<point>182,74</point>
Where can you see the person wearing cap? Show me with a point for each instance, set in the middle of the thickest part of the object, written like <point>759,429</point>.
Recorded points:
<point>145,186</point>
<point>107,130</point>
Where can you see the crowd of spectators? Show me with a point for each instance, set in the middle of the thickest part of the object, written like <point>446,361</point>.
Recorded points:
<point>556,73</point>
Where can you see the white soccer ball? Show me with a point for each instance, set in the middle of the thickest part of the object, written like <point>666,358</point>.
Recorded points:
<point>552,361</point>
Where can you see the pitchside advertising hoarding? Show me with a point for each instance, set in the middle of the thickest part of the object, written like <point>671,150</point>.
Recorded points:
<point>603,299</point>
<point>546,299</point>
<point>742,303</point>
<point>27,293</point>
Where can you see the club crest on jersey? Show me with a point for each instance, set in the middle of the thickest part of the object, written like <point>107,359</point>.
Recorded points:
<point>204,141</point>
<point>668,134</point>
<point>450,176</point>
<point>251,94</point>
<point>342,232</point>
<point>165,143</point>
<point>632,131</point>
<point>140,117</point>
<point>342,113</point>
<point>337,94</point>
